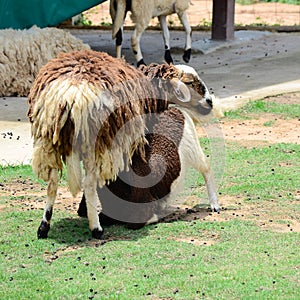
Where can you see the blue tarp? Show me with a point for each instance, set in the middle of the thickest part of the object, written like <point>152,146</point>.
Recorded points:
<point>20,14</point>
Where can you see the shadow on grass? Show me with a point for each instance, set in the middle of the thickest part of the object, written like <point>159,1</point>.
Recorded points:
<point>75,230</point>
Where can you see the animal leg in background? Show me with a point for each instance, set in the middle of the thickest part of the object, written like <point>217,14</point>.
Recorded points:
<point>188,34</point>
<point>119,40</point>
<point>135,44</point>
<point>51,196</point>
<point>166,36</point>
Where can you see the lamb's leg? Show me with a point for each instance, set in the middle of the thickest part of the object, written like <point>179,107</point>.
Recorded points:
<point>90,191</point>
<point>188,37</point>
<point>135,43</point>
<point>210,186</point>
<point>166,36</point>
<point>195,157</point>
<point>51,196</point>
<point>202,164</point>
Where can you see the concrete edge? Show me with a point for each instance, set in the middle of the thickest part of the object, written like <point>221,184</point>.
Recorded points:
<point>236,101</point>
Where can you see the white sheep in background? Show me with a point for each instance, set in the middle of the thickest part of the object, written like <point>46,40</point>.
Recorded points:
<point>24,52</point>
<point>88,106</point>
<point>141,14</point>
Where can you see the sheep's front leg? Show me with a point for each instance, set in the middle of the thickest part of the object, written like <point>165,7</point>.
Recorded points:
<point>166,36</point>
<point>51,196</point>
<point>188,36</point>
<point>210,186</point>
<point>202,164</point>
<point>90,191</point>
<point>193,153</point>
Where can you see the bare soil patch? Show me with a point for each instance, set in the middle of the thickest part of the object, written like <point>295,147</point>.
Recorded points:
<point>32,196</point>
<point>291,98</point>
<point>268,128</point>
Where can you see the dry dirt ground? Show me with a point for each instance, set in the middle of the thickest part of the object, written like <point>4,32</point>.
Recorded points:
<point>249,133</point>
<point>200,13</point>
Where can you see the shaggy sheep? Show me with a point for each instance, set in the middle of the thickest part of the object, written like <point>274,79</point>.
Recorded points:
<point>88,106</point>
<point>141,14</point>
<point>24,52</point>
<point>144,194</point>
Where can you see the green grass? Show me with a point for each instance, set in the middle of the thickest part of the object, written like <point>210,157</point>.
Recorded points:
<point>230,256</point>
<point>245,263</point>
<point>22,172</point>
<point>264,173</point>
<point>286,111</point>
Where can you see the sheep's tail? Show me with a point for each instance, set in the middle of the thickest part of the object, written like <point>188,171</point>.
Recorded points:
<point>74,173</point>
<point>118,12</point>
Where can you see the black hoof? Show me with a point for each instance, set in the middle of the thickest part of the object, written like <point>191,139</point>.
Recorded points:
<point>187,55</point>
<point>168,57</point>
<point>141,62</point>
<point>43,230</point>
<point>97,234</point>
<point>217,210</point>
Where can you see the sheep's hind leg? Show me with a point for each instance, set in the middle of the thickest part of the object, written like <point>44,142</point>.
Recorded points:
<point>135,43</point>
<point>119,40</point>
<point>188,36</point>
<point>91,196</point>
<point>166,36</point>
<point>51,196</point>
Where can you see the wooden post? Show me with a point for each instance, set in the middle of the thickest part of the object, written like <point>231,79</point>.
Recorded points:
<point>223,20</point>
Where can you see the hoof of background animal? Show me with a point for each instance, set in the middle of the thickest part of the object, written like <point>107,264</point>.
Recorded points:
<point>43,230</point>
<point>141,62</point>
<point>97,234</point>
<point>187,55</point>
<point>168,57</point>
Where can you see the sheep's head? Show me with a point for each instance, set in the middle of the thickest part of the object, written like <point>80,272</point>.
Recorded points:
<point>185,88</point>
<point>198,101</point>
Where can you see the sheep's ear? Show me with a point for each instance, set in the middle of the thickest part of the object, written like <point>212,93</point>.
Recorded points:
<point>181,91</point>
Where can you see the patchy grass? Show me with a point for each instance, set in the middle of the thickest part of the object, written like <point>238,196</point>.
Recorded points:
<point>262,172</point>
<point>255,108</point>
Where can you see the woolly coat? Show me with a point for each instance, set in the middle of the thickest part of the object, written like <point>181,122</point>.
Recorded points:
<point>24,52</point>
<point>94,105</point>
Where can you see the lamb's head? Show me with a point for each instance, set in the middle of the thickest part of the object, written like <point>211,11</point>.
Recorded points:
<point>186,89</point>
